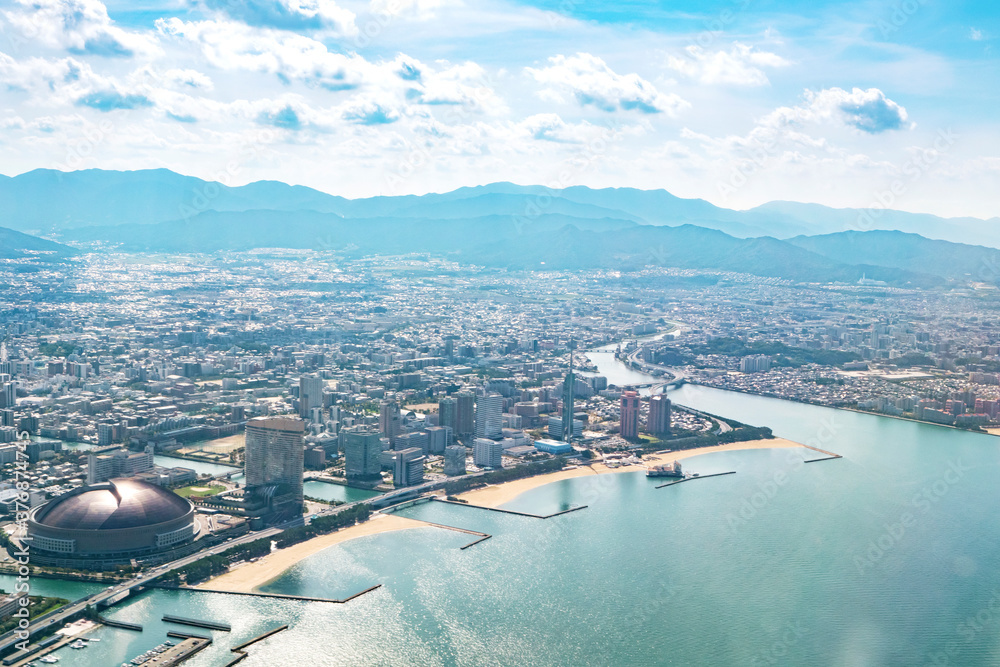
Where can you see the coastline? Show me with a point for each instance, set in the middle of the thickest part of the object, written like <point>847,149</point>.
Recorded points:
<point>250,576</point>
<point>994,431</point>
<point>496,495</point>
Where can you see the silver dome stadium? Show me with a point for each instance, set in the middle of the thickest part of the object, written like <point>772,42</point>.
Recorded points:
<point>119,519</point>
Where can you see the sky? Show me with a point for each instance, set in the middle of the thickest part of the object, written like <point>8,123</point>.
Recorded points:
<point>739,102</point>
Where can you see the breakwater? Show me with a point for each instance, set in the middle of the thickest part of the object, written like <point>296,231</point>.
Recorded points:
<point>516,513</point>
<point>689,479</point>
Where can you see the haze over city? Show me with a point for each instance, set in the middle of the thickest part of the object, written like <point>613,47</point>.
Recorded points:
<point>462,332</point>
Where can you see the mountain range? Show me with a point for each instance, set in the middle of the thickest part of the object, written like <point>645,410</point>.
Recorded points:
<point>501,224</point>
<point>15,245</point>
<point>45,201</point>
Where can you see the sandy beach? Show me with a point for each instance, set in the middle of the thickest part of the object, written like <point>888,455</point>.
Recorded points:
<point>494,496</point>
<point>246,578</point>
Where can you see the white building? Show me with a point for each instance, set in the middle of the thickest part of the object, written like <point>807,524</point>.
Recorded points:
<point>489,416</point>
<point>487,453</point>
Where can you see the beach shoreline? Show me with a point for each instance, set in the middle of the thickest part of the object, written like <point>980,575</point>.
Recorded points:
<point>251,576</point>
<point>499,494</point>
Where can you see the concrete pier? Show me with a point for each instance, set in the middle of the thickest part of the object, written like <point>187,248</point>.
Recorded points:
<point>119,624</point>
<point>475,542</point>
<point>279,596</point>
<point>514,512</point>
<point>174,634</point>
<point>825,458</point>
<point>240,650</point>
<point>197,623</point>
<point>259,638</point>
<point>175,655</point>
<point>688,479</point>
<point>832,455</point>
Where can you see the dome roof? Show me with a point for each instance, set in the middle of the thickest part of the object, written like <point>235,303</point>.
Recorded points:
<point>121,503</point>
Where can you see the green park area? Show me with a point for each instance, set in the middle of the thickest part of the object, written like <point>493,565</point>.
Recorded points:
<point>199,491</point>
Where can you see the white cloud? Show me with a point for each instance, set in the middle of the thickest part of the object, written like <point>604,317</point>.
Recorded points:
<point>235,46</point>
<point>741,65</point>
<point>466,85</point>
<point>420,10</point>
<point>188,78</point>
<point>592,82</point>
<point>320,15</point>
<point>866,110</point>
<point>551,127</point>
<point>79,26</point>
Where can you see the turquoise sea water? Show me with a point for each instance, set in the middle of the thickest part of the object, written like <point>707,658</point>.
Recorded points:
<point>200,467</point>
<point>339,492</point>
<point>888,556</point>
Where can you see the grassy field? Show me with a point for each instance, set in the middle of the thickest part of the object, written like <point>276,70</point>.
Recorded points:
<point>199,491</point>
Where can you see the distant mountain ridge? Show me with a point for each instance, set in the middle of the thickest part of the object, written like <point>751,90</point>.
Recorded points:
<point>500,225</point>
<point>49,202</point>
<point>15,245</point>
<point>545,242</point>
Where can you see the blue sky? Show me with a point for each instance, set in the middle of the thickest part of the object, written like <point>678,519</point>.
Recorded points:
<point>735,101</point>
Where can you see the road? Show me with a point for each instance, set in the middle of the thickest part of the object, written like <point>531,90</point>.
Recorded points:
<point>60,616</point>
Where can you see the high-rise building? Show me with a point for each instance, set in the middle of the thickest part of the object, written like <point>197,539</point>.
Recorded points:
<point>390,423</point>
<point>417,439</point>
<point>7,418</point>
<point>310,394</point>
<point>489,422</point>
<point>409,467</point>
<point>8,393</point>
<point>274,455</point>
<point>630,405</point>
<point>755,363</point>
<point>454,460</point>
<point>557,430</point>
<point>658,422</point>
<point>465,402</point>
<point>438,439</point>
<point>123,463</point>
<point>362,450</point>
<point>569,388</point>
<point>105,434</point>
<point>448,412</point>
<point>487,453</point>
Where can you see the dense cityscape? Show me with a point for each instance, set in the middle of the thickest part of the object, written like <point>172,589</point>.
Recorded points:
<point>404,371</point>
